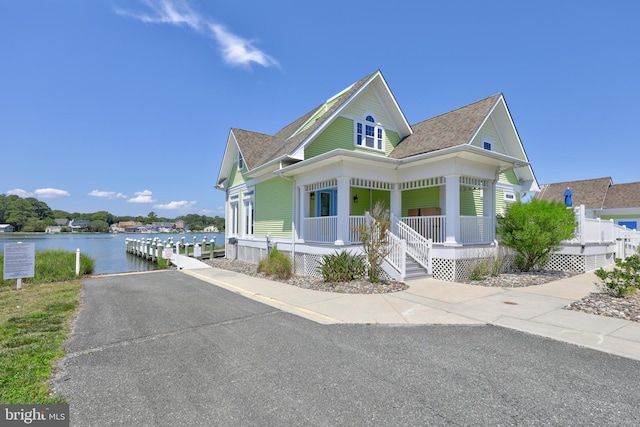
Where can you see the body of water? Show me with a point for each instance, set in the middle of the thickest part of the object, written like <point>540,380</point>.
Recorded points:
<point>107,250</point>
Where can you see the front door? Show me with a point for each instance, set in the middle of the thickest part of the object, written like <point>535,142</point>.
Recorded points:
<point>327,203</point>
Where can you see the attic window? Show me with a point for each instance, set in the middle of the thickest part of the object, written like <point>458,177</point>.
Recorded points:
<point>369,134</point>
<point>240,161</point>
<point>486,145</point>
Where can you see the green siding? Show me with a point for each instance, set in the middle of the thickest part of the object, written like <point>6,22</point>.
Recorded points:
<point>509,176</point>
<point>367,199</point>
<point>489,131</point>
<point>338,135</point>
<point>470,203</point>
<point>273,208</point>
<point>420,198</point>
<point>236,177</point>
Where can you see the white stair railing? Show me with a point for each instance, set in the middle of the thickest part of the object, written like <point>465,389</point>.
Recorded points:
<point>418,247</point>
<point>397,257</point>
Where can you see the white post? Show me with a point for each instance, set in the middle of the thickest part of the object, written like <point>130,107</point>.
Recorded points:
<point>77,261</point>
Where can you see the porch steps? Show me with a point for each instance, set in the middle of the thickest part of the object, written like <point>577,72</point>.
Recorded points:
<point>414,270</point>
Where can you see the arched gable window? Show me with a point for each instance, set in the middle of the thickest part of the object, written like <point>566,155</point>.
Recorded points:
<point>369,134</point>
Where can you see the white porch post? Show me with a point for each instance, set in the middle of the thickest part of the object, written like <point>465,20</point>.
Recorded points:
<point>489,208</point>
<point>342,237</point>
<point>396,201</point>
<point>452,209</point>
<point>303,212</point>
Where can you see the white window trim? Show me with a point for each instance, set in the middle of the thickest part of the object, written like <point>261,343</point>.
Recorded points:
<point>248,207</point>
<point>377,128</point>
<point>509,196</point>
<point>240,161</point>
<point>488,141</point>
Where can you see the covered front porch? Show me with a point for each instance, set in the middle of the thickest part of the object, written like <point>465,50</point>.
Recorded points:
<point>331,211</point>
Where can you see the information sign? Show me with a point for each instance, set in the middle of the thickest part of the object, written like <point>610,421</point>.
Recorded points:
<point>19,260</point>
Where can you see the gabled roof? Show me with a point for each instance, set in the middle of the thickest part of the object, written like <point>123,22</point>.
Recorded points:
<point>589,192</point>
<point>623,196</point>
<point>264,153</point>
<point>456,127</point>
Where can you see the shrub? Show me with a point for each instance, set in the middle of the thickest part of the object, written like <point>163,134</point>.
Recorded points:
<point>623,279</point>
<point>491,265</point>
<point>342,267</point>
<point>276,264</point>
<point>373,235</point>
<point>534,230</point>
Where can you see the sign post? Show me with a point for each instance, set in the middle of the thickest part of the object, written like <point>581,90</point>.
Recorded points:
<point>19,261</point>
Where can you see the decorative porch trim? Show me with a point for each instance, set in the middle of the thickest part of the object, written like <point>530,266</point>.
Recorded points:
<point>422,183</point>
<point>468,181</point>
<point>371,184</point>
<point>330,183</point>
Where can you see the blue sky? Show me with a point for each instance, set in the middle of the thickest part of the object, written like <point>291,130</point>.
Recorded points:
<point>126,105</point>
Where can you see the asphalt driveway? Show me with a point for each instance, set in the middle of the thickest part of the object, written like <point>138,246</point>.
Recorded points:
<point>167,349</point>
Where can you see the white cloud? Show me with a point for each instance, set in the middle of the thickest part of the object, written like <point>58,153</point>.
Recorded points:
<point>20,193</point>
<point>40,193</point>
<point>107,194</point>
<point>50,193</point>
<point>238,51</point>
<point>235,49</point>
<point>142,197</point>
<point>183,204</point>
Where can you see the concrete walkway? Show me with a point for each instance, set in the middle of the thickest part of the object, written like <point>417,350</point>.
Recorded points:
<point>536,309</point>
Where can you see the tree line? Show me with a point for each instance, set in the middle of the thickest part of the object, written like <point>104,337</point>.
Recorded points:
<point>32,215</point>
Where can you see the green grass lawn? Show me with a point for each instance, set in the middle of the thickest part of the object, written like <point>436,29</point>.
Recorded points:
<point>34,322</point>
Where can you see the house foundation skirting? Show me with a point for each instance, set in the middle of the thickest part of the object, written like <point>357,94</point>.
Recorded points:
<point>453,264</point>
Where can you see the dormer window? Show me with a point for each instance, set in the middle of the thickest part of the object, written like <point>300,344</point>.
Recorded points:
<point>240,161</point>
<point>369,134</point>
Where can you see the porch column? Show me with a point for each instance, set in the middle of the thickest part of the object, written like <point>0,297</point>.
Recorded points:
<point>452,210</point>
<point>396,201</point>
<point>342,237</point>
<point>303,212</point>
<point>489,208</point>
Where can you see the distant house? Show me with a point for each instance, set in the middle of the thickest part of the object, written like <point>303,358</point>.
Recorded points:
<point>79,224</point>
<point>51,229</point>
<point>61,221</point>
<point>6,228</point>
<point>211,229</point>
<point>601,198</point>
<point>179,225</point>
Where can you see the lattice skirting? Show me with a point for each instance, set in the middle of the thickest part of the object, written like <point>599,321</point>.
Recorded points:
<point>579,263</point>
<point>452,270</point>
<point>304,264</point>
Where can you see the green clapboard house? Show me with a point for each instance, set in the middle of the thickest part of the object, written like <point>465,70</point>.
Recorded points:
<point>306,188</point>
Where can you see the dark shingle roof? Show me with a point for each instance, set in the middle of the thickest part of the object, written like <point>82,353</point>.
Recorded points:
<point>450,129</point>
<point>623,196</point>
<point>258,149</point>
<point>589,192</point>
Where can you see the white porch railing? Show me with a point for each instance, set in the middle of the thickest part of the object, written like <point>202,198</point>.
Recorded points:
<point>354,224</point>
<point>430,227</point>
<point>418,247</point>
<point>397,257</point>
<point>602,231</point>
<point>322,229</point>
<point>476,230</point>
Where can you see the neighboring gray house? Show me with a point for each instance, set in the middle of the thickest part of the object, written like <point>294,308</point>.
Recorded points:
<point>6,228</point>
<point>601,198</point>
<point>79,224</point>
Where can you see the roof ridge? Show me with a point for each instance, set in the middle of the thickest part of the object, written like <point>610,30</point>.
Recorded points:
<point>459,108</point>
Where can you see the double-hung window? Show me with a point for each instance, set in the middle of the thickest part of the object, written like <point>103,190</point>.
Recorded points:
<point>369,134</point>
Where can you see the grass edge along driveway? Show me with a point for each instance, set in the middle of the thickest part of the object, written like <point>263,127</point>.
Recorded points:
<point>34,322</point>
